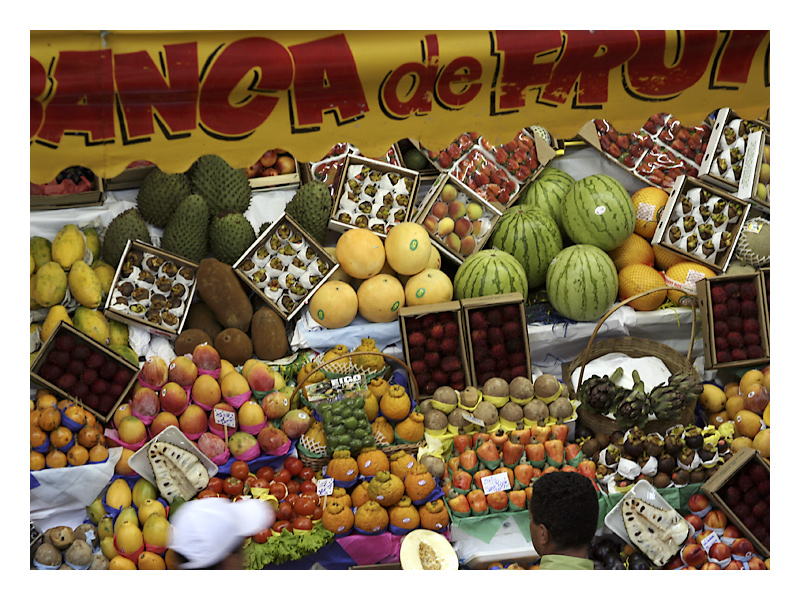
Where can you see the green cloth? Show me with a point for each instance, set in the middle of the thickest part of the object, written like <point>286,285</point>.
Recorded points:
<point>559,562</point>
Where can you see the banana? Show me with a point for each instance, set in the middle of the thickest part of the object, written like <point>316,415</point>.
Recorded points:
<point>178,472</point>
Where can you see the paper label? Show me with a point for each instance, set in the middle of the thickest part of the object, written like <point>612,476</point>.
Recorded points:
<point>224,417</point>
<point>495,483</point>
<point>475,421</point>
<point>753,226</point>
<point>646,212</point>
<point>600,210</point>
<point>709,541</point>
<point>331,390</point>
<point>325,487</point>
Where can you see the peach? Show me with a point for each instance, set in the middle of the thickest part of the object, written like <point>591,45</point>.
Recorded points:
<point>155,371</point>
<point>693,555</point>
<point>193,420</point>
<point>698,502</point>
<point>431,223</point>
<point>206,357</point>
<point>268,159</point>
<point>695,521</point>
<point>275,405</point>
<point>132,430</point>
<point>474,211</point>
<point>449,192</point>
<point>742,547</point>
<point>445,227</point>
<point>439,210</point>
<point>734,565</point>
<point>260,377</point>
<point>756,564</point>
<point>456,209</point>
<point>719,551</point>
<point>716,519</point>
<point>145,402</point>
<point>477,227</point>
<point>462,227</point>
<point>710,566</point>
<point>285,164</point>
<point>731,531</point>
<point>468,245</point>
<point>172,397</point>
<point>161,421</point>
<point>182,371</point>
<point>453,242</point>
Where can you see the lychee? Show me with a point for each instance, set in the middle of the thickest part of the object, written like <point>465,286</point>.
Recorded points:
<point>457,376</point>
<point>495,336</point>
<point>50,372</point>
<point>89,376</point>
<point>416,353</point>
<point>75,367</point>
<point>511,312</point>
<point>732,288</point>
<point>734,339</point>
<point>437,331</point>
<point>720,342</point>
<point>515,344</point>
<point>511,329</point>
<point>721,328</point>
<point>734,306</point>
<point>754,352</point>
<point>440,377</point>
<point>64,342</point>
<point>416,339</point>
<point>80,390</point>
<point>81,351</point>
<point>432,359</point>
<point>739,354</point>
<point>477,320</point>
<point>720,312</point>
<point>751,339</point>
<point>488,364</point>
<point>418,366</point>
<point>429,387</point>
<point>718,295</point>
<point>750,326</point>
<point>499,352</point>
<point>747,291</point>
<point>458,385</point>
<point>749,309</point>
<point>66,382</point>
<point>58,358</point>
<point>518,371</point>
<point>95,359</point>
<point>412,325</point>
<point>109,370</point>
<point>479,337</point>
<point>506,374</point>
<point>450,330</point>
<point>480,353</point>
<point>449,345</point>
<point>735,323</point>
<point>432,345</point>
<point>495,317</point>
<point>516,358</point>
<point>450,363</point>
<point>723,356</point>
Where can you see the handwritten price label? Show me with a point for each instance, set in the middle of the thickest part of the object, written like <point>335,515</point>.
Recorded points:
<point>709,541</point>
<point>224,417</point>
<point>325,487</point>
<point>474,420</point>
<point>495,483</point>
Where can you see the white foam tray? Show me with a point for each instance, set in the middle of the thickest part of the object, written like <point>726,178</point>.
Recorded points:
<point>140,463</point>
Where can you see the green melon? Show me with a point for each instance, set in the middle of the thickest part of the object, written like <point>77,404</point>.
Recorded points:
<point>489,272</point>
<point>547,192</point>
<point>582,282</point>
<point>530,235</point>
<point>598,210</point>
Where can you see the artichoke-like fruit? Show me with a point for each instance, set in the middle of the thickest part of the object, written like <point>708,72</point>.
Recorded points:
<point>598,393</point>
<point>667,400</point>
<point>634,406</point>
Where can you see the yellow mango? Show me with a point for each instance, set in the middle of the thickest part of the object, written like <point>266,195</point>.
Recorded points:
<point>50,285</point>
<point>93,323</point>
<point>33,264</point>
<point>40,250</point>
<point>68,246</point>
<point>105,272</point>
<point>93,243</point>
<point>117,333</point>
<point>34,304</point>
<point>55,315</point>
<point>84,285</point>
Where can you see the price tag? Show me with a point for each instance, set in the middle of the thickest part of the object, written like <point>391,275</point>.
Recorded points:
<point>474,420</point>
<point>495,483</point>
<point>224,417</point>
<point>709,541</point>
<point>324,487</point>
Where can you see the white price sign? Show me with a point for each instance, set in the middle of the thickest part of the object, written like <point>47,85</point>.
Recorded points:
<point>709,541</point>
<point>495,483</point>
<point>224,417</point>
<point>324,487</point>
<point>474,420</point>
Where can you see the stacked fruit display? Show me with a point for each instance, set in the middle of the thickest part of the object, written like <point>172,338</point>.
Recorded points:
<point>747,496</point>
<point>737,319</point>
<point>727,161</point>
<point>498,342</point>
<point>435,352</point>
<point>326,170</point>
<point>69,548</point>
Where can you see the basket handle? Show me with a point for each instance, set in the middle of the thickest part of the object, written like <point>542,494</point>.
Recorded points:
<point>411,378</point>
<point>623,303</point>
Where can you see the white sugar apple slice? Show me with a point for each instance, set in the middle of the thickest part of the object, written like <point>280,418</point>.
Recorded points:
<point>178,472</point>
<point>657,532</point>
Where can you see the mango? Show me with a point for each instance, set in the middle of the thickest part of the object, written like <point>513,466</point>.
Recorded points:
<point>105,273</point>
<point>119,494</point>
<point>68,246</point>
<point>50,285</point>
<point>84,285</point>
<point>125,352</point>
<point>55,315</point>
<point>117,333</point>
<point>92,243</point>
<point>143,490</point>
<point>156,531</point>
<point>93,323</point>
<point>40,250</point>
<point>33,264</point>
<point>34,304</point>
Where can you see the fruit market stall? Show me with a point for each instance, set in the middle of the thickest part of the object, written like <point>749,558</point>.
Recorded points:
<point>392,346</point>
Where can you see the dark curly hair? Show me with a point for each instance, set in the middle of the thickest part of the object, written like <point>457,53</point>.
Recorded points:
<point>566,503</point>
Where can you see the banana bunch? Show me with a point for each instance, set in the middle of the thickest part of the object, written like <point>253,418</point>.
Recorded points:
<point>634,404</point>
<point>178,472</point>
<point>669,399</point>
<point>599,393</point>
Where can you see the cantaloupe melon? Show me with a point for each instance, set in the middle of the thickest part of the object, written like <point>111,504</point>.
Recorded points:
<point>334,304</point>
<point>360,253</point>
<point>380,298</point>
<point>408,248</point>
<point>428,287</point>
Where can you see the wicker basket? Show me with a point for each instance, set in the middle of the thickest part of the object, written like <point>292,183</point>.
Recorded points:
<point>318,462</point>
<point>635,348</point>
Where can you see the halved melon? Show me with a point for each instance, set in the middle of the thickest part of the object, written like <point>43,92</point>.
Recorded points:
<point>423,549</point>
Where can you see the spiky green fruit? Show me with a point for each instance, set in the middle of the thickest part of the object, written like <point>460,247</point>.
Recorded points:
<point>186,233</point>
<point>222,186</point>
<point>229,236</point>
<point>311,207</point>
<point>159,195</point>
<point>128,225</point>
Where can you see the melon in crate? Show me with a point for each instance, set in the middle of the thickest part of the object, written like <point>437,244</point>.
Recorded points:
<point>489,272</point>
<point>598,210</point>
<point>547,192</point>
<point>648,204</point>
<point>531,236</point>
<point>582,282</point>
<point>683,277</point>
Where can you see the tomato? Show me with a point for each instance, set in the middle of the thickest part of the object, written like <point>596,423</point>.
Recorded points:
<point>250,479</point>
<point>279,526</point>
<point>317,515</point>
<point>278,490</point>
<point>293,464</point>
<point>306,473</point>
<point>233,486</point>
<point>208,493</point>
<point>262,536</point>
<point>313,496</point>
<point>308,487</point>
<point>260,483</point>
<point>240,469</point>
<point>302,523</point>
<point>285,512</point>
<point>282,476</point>
<point>265,472</point>
<point>294,486</point>
<point>215,483</point>
<point>291,498</point>
<point>304,506</point>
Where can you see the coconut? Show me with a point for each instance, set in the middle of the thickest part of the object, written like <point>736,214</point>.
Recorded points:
<point>486,412</point>
<point>546,386</point>
<point>560,408</point>
<point>79,554</point>
<point>536,411</point>
<point>496,387</point>
<point>470,396</point>
<point>521,388</point>
<point>48,555</point>
<point>435,419</point>
<point>511,412</point>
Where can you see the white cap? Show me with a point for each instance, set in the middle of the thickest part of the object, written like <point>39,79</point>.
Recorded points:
<point>207,530</point>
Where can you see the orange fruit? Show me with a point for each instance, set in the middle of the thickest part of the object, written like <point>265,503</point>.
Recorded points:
<point>37,461</point>
<point>76,413</point>
<point>98,453</point>
<point>683,277</point>
<point>360,253</point>
<point>635,250</point>
<point>380,298</point>
<point>334,304</point>
<point>150,561</point>
<point>77,455</point>
<point>38,436</point>
<point>45,398</point>
<point>49,418</point>
<point>637,278</point>
<point>648,204</point>
<point>35,416</point>
<point>666,258</point>
<point>55,459</point>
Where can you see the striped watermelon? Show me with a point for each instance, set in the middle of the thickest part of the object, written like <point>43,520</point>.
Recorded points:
<point>547,192</point>
<point>598,210</point>
<point>531,236</point>
<point>489,272</point>
<point>582,282</point>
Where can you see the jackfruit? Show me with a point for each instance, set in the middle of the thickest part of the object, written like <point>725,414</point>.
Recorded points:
<point>68,246</point>
<point>311,207</point>
<point>159,195</point>
<point>186,232</point>
<point>222,186</point>
<point>230,235</point>
<point>128,225</point>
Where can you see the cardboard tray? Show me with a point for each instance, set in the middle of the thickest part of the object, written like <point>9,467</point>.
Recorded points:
<point>128,317</point>
<point>328,169</point>
<point>276,182</point>
<point>714,485</point>
<point>275,299</point>
<point>753,159</point>
<point>140,463</point>
<point>95,197</point>
<point>64,328</point>
<point>707,320</point>
<point>684,185</point>
<point>130,178</point>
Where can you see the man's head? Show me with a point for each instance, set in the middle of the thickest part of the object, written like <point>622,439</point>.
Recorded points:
<point>564,511</point>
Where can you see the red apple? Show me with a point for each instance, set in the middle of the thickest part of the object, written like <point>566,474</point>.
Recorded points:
<point>285,164</point>
<point>698,503</point>
<point>693,555</point>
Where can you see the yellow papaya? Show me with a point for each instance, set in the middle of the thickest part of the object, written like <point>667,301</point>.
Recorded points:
<point>84,285</point>
<point>40,250</point>
<point>33,264</point>
<point>117,333</point>
<point>126,352</point>
<point>91,322</point>
<point>34,304</point>
<point>68,246</point>
<point>92,243</point>
<point>50,285</point>
<point>106,274</point>
<point>55,315</point>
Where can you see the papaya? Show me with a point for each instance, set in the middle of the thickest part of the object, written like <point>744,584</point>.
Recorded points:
<point>92,243</point>
<point>55,315</point>
<point>40,250</point>
<point>84,285</point>
<point>118,334</point>
<point>222,290</point>
<point>268,332</point>
<point>68,246</point>
<point>125,352</point>
<point>92,323</point>
<point>34,304</point>
<point>105,272</point>
<point>50,285</point>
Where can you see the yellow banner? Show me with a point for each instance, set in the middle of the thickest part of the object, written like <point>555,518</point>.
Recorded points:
<point>105,99</point>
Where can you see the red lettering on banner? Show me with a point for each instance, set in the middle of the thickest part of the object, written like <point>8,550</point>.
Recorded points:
<point>38,87</point>
<point>737,58</point>
<point>462,73</point>
<point>270,66</point>
<point>418,100</point>
<point>326,80</point>
<point>648,76</point>
<point>585,64</point>
<point>517,53</point>
<point>83,100</point>
<point>142,87</point>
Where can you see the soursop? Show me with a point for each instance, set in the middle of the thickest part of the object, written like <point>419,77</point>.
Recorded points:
<point>128,225</point>
<point>229,236</point>
<point>311,207</point>
<point>186,233</point>
<point>159,195</point>
<point>222,186</point>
